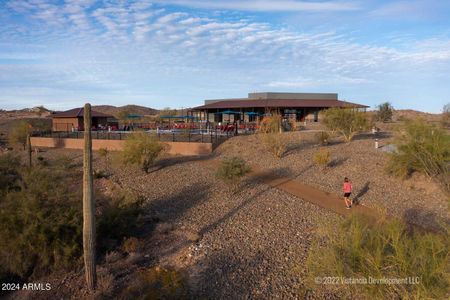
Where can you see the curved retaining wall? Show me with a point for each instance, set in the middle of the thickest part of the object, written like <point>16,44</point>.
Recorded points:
<point>180,148</point>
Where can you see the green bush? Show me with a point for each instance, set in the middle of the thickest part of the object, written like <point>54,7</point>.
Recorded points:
<point>142,149</point>
<point>232,169</point>
<point>322,158</point>
<point>40,225</point>
<point>322,138</point>
<point>422,148</point>
<point>384,112</point>
<point>347,122</point>
<point>41,219</point>
<point>18,133</point>
<point>276,143</point>
<point>157,283</point>
<point>362,249</point>
<point>118,218</point>
<point>9,175</point>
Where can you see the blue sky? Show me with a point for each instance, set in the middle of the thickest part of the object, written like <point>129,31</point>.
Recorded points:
<point>176,53</point>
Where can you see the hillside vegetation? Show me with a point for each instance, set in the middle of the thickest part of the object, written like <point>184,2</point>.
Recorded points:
<point>132,109</point>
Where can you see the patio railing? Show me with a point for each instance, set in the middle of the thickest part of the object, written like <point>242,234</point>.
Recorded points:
<point>182,135</point>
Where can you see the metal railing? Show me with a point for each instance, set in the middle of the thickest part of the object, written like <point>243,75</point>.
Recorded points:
<point>191,136</point>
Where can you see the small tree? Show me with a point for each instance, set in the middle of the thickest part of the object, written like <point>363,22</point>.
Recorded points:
<point>446,115</point>
<point>384,112</point>
<point>19,132</point>
<point>271,124</point>
<point>348,122</point>
<point>142,149</point>
<point>276,143</point>
<point>422,148</point>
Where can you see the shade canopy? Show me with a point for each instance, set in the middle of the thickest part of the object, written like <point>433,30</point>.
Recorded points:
<point>133,116</point>
<point>177,117</point>
<point>251,113</point>
<point>228,112</point>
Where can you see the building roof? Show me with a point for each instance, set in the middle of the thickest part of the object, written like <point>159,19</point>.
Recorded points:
<point>79,112</point>
<point>248,103</point>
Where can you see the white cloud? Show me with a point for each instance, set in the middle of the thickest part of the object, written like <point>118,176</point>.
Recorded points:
<point>133,45</point>
<point>266,5</point>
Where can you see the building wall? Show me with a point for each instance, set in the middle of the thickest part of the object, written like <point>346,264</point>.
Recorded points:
<point>64,124</point>
<point>180,148</point>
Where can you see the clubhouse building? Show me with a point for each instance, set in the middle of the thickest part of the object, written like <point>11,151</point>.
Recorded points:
<point>299,106</point>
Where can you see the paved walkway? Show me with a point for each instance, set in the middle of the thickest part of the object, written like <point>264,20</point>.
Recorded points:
<point>311,194</point>
<point>332,202</point>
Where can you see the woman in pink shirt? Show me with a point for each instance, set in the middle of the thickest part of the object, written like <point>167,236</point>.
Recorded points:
<point>347,191</point>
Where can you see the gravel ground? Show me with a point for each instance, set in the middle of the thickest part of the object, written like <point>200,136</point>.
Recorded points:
<point>250,241</point>
<point>416,199</point>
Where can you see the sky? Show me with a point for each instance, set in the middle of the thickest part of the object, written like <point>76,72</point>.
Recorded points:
<point>176,53</point>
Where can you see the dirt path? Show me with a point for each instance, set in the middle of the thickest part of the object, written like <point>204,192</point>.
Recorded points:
<point>305,192</point>
<point>311,194</point>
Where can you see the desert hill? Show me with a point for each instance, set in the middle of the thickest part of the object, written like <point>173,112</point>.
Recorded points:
<point>132,109</point>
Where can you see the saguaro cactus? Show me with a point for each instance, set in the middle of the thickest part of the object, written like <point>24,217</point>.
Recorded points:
<point>88,203</point>
<point>29,150</point>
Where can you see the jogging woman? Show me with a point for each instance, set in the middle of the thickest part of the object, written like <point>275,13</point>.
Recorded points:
<point>347,192</point>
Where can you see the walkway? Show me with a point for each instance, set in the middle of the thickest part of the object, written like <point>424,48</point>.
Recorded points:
<point>311,194</point>
<point>332,202</point>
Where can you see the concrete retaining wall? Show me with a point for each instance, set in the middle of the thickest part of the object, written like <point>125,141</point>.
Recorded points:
<point>180,148</point>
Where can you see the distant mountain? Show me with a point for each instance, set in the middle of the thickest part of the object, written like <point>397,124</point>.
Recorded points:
<point>132,109</point>
<point>414,114</point>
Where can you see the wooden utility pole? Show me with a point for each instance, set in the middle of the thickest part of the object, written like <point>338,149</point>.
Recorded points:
<point>88,203</point>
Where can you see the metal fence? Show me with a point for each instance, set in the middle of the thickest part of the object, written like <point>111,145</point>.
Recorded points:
<point>191,136</point>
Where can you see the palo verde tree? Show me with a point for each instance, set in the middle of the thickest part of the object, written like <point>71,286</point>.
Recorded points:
<point>88,203</point>
<point>384,112</point>
<point>141,149</point>
<point>345,121</point>
<point>422,148</point>
<point>19,132</point>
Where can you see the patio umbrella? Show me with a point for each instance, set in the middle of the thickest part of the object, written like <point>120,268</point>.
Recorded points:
<point>251,113</point>
<point>228,112</point>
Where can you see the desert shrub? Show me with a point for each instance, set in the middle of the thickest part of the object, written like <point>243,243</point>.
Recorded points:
<point>347,122</point>
<point>142,149</point>
<point>421,148</point>
<point>293,124</point>
<point>363,249</point>
<point>446,116</point>
<point>105,286</point>
<point>322,138</point>
<point>131,245</point>
<point>157,283</point>
<point>40,225</point>
<point>384,112</point>
<point>232,169</point>
<point>118,218</point>
<point>271,124</point>
<point>9,175</point>
<point>100,174</point>
<point>41,219</point>
<point>276,143</point>
<point>18,133</point>
<point>322,158</point>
